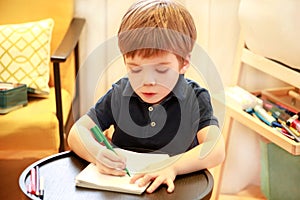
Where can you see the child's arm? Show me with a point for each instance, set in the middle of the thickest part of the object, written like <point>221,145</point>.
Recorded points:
<point>81,140</point>
<point>83,144</point>
<point>209,153</point>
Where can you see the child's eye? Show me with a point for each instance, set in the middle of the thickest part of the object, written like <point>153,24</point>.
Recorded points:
<point>162,69</point>
<point>136,69</point>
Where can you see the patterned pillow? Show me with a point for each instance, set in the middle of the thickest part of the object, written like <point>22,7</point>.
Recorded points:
<point>25,54</point>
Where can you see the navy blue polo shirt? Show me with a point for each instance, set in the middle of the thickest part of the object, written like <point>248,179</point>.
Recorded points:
<point>168,127</point>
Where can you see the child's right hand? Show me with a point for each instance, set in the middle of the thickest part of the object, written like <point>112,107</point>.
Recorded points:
<point>108,162</point>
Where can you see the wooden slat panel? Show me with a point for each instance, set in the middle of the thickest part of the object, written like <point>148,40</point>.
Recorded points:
<point>271,68</point>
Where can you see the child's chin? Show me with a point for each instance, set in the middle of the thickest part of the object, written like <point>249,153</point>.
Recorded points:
<point>151,100</point>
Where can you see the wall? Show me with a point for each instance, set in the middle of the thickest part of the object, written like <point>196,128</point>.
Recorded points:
<point>218,31</point>
<point>216,22</point>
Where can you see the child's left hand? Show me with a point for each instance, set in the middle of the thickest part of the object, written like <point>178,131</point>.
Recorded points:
<point>165,176</point>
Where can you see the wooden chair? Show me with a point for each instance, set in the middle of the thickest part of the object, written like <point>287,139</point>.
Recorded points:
<point>38,129</point>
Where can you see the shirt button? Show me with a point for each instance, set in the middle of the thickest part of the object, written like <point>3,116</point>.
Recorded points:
<point>150,108</point>
<point>153,124</point>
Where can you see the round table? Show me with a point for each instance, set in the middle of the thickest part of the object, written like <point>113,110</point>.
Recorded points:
<point>59,173</point>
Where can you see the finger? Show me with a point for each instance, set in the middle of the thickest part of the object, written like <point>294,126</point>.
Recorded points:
<point>121,156</point>
<point>112,164</point>
<point>111,171</point>
<point>113,156</point>
<point>116,157</point>
<point>110,159</point>
<point>136,177</point>
<point>170,185</point>
<point>155,184</point>
<point>145,180</point>
<point>117,172</point>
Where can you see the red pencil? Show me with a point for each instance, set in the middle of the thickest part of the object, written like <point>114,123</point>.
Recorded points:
<point>33,181</point>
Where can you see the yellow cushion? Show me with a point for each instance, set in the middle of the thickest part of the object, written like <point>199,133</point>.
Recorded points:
<point>25,54</point>
<point>33,127</point>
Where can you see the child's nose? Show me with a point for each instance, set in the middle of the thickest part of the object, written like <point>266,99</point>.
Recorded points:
<point>148,78</point>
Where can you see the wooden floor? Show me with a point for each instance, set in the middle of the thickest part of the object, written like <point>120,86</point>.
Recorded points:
<point>252,192</point>
<point>10,171</point>
<point>249,193</point>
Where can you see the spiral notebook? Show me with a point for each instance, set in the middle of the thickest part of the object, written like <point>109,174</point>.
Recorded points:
<point>89,177</point>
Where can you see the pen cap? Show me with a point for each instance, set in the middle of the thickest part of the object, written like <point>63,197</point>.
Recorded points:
<point>295,123</point>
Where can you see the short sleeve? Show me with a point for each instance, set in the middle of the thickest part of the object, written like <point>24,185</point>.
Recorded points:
<point>101,113</point>
<point>207,117</point>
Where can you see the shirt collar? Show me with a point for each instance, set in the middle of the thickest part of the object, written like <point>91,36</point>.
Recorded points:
<point>180,89</point>
<point>128,90</point>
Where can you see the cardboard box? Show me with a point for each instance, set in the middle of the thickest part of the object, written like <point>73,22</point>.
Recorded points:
<point>12,96</point>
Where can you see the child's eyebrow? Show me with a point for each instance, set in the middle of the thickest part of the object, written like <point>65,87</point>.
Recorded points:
<point>160,63</point>
<point>132,63</point>
<point>164,63</point>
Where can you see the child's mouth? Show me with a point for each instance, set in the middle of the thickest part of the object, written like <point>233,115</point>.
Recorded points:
<point>148,94</point>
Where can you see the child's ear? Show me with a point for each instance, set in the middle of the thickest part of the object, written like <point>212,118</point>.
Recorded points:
<point>185,65</point>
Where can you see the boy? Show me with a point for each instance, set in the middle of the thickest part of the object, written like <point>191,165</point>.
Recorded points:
<point>155,109</point>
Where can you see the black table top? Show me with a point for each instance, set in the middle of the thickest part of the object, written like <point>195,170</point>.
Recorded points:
<point>59,173</point>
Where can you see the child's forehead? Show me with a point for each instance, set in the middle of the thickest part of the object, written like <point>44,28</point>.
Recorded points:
<point>147,52</point>
<point>153,40</point>
<point>166,56</point>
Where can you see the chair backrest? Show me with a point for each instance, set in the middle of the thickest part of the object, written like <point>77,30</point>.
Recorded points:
<point>21,11</point>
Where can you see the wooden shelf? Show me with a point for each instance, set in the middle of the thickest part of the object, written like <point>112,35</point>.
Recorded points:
<point>277,71</point>
<point>262,129</point>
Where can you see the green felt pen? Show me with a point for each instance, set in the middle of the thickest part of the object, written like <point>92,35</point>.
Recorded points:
<point>100,137</point>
